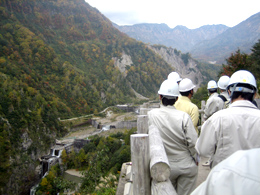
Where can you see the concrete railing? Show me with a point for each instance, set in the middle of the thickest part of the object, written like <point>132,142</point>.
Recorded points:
<point>149,171</point>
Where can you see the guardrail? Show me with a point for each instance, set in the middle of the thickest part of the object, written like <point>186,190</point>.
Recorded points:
<point>149,170</point>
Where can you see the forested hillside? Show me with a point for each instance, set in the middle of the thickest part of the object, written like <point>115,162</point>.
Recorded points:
<point>68,48</point>
<point>57,61</point>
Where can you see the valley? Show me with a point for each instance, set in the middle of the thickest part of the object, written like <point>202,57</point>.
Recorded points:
<point>61,64</point>
<point>84,132</point>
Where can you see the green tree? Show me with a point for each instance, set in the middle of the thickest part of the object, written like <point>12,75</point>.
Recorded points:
<point>64,157</point>
<point>5,149</point>
<point>199,95</point>
<point>92,175</point>
<point>81,158</point>
<point>255,58</point>
<point>236,62</point>
<point>244,61</point>
<point>53,183</point>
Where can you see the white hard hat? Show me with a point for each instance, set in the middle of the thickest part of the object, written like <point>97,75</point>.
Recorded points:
<point>174,76</point>
<point>186,85</point>
<point>212,85</point>
<point>242,77</point>
<point>223,82</point>
<point>169,89</point>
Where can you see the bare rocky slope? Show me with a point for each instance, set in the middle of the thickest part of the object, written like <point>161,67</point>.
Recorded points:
<point>181,63</point>
<point>186,69</point>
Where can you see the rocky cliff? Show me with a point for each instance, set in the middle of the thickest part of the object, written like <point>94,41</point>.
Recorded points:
<point>181,63</point>
<point>123,62</point>
<point>186,67</point>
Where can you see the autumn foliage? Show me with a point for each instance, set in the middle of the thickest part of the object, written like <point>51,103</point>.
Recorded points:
<point>57,61</point>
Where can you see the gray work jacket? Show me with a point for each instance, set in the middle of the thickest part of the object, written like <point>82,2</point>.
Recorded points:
<point>213,104</point>
<point>177,132</point>
<point>229,130</point>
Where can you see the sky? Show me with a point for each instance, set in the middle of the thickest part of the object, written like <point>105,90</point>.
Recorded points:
<point>190,13</point>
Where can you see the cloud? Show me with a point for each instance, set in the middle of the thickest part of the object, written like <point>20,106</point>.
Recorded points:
<point>189,13</point>
<point>123,18</point>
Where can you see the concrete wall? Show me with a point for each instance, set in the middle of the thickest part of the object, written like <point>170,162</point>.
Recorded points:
<point>80,143</point>
<point>127,108</point>
<point>95,124</point>
<point>126,124</point>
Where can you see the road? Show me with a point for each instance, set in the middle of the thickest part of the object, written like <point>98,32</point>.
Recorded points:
<point>203,171</point>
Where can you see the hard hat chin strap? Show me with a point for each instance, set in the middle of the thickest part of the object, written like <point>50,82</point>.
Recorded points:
<point>241,89</point>
<point>168,97</point>
<point>244,90</point>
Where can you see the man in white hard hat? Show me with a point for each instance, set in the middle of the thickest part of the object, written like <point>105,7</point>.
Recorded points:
<point>234,128</point>
<point>174,76</point>
<point>222,85</point>
<point>214,103</point>
<point>186,89</point>
<point>179,138</point>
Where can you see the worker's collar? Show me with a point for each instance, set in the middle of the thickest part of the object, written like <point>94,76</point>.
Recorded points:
<point>169,106</point>
<point>184,98</point>
<point>213,94</point>
<point>243,103</point>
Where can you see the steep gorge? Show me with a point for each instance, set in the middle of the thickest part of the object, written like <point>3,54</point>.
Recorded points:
<point>63,59</point>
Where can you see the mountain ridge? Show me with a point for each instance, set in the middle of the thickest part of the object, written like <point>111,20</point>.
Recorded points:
<point>242,36</point>
<point>206,43</point>
<point>180,36</point>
